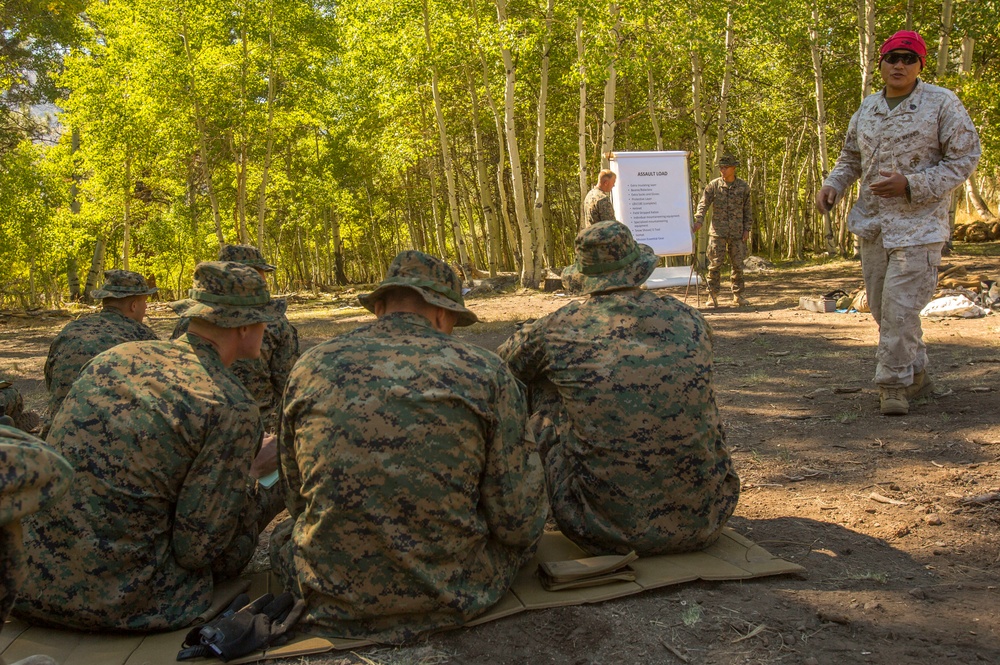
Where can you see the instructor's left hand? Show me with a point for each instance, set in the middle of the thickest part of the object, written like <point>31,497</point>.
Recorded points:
<point>894,185</point>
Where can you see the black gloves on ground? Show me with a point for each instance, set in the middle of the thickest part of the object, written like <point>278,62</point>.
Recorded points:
<point>243,628</point>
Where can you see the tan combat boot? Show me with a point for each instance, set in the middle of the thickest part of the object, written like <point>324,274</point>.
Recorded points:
<point>713,298</point>
<point>892,401</point>
<point>740,301</point>
<point>922,386</point>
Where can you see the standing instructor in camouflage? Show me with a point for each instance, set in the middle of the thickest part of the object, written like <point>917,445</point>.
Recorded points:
<point>911,145</point>
<point>265,377</point>
<point>413,493</point>
<point>732,221</point>
<point>162,439</point>
<point>123,296</point>
<point>597,205</point>
<point>623,407</point>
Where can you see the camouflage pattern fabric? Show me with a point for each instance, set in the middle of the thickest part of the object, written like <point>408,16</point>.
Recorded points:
<point>265,377</point>
<point>731,213</point>
<point>931,140</point>
<point>623,409</point>
<point>608,258</point>
<point>597,207</point>
<point>32,476</point>
<point>161,436</point>
<point>902,282</point>
<point>122,284</point>
<point>414,496</point>
<point>81,340</point>
<point>12,405</point>
<point>718,250</point>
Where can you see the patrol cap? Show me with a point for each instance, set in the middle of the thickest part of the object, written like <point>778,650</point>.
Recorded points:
<point>248,255</point>
<point>429,276</point>
<point>608,258</point>
<point>229,295</point>
<point>122,284</point>
<point>728,160</point>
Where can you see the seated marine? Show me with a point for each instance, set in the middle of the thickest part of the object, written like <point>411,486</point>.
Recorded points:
<point>265,377</point>
<point>162,438</point>
<point>123,296</point>
<point>12,406</point>
<point>623,409</point>
<point>414,495</point>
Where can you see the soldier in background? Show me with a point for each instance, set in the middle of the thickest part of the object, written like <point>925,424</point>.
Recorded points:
<point>162,438</point>
<point>413,493</point>
<point>623,408</point>
<point>265,377</point>
<point>597,206</point>
<point>123,296</point>
<point>12,406</point>
<point>732,221</point>
<point>911,144</point>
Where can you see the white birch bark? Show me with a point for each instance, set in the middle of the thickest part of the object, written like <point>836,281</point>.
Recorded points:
<point>610,87</point>
<point>701,130</point>
<point>269,143</point>
<point>538,214</point>
<point>866,44</point>
<point>581,129</point>
<point>831,245</point>
<point>727,78</point>
<point>492,225</point>
<point>944,38</point>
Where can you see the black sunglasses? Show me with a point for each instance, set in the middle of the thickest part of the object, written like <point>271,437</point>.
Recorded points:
<point>905,58</point>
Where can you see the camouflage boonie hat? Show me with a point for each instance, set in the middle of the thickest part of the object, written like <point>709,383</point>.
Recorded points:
<point>228,294</point>
<point>608,258</point>
<point>248,255</point>
<point>429,276</point>
<point>728,160</point>
<point>122,284</point>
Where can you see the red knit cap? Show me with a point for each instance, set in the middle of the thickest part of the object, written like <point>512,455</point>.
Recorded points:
<point>908,40</point>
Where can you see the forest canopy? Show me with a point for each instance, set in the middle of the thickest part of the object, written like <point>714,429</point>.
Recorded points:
<point>144,134</point>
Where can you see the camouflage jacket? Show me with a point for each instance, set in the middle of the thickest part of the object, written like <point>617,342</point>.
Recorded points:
<point>414,492</point>
<point>161,436</point>
<point>32,476</point>
<point>731,214</point>
<point>639,424</point>
<point>930,139</point>
<point>80,341</point>
<point>597,207</point>
<point>265,377</point>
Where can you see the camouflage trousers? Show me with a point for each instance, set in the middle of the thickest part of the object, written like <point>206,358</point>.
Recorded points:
<point>12,570</point>
<point>262,506</point>
<point>580,509</point>
<point>899,282</point>
<point>718,249</point>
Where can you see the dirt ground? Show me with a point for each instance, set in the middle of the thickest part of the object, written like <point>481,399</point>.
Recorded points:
<point>900,569</point>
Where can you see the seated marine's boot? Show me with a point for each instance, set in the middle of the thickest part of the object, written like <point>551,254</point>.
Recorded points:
<point>713,298</point>
<point>892,401</point>
<point>740,301</point>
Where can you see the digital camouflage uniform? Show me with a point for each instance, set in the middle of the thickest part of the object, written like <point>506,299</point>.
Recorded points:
<point>264,377</point>
<point>12,406</point>
<point>414,496</point>
<point>930,139</point>
<point>731,219</point>
<point>161,436</point>
<point>597,207</point>
<point>623,409</point>
<point>81,340</point>
<point>32,476</point>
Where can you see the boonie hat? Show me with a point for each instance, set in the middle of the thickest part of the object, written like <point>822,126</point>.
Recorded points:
<point>429,276</point>
<point>728,160</point>
<point>908,40</point>
<point>122,284</point>
<point>608,258</point>
<point>248,255</point>
<point>228,294</point>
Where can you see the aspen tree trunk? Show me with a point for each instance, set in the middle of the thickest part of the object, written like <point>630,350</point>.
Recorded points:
<point>240,151</point>
<point>909,14</point>
<point>438,224</point>
<point>96,265</point>
<point>944,38</point>
<point>538,217</point>
<point>651,93</point>
<point>831,245</point>
<point>866,44</point>
<point>338,249</point>
<point>128,207</point>
<point>701,130</point>
<point>449,174</point>
<point>581,127</point>
<point>608,124</point>
<point>968,44</point>
<point>530,274</point>
<point>202,140</point>
<point>486,202</point>
<point>269,143</point>
<point>727,78</point>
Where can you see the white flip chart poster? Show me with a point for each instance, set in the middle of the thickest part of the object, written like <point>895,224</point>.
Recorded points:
<point>652,196</point>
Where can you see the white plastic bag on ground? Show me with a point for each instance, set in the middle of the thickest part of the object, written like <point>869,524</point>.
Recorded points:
<point>954,306</point>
